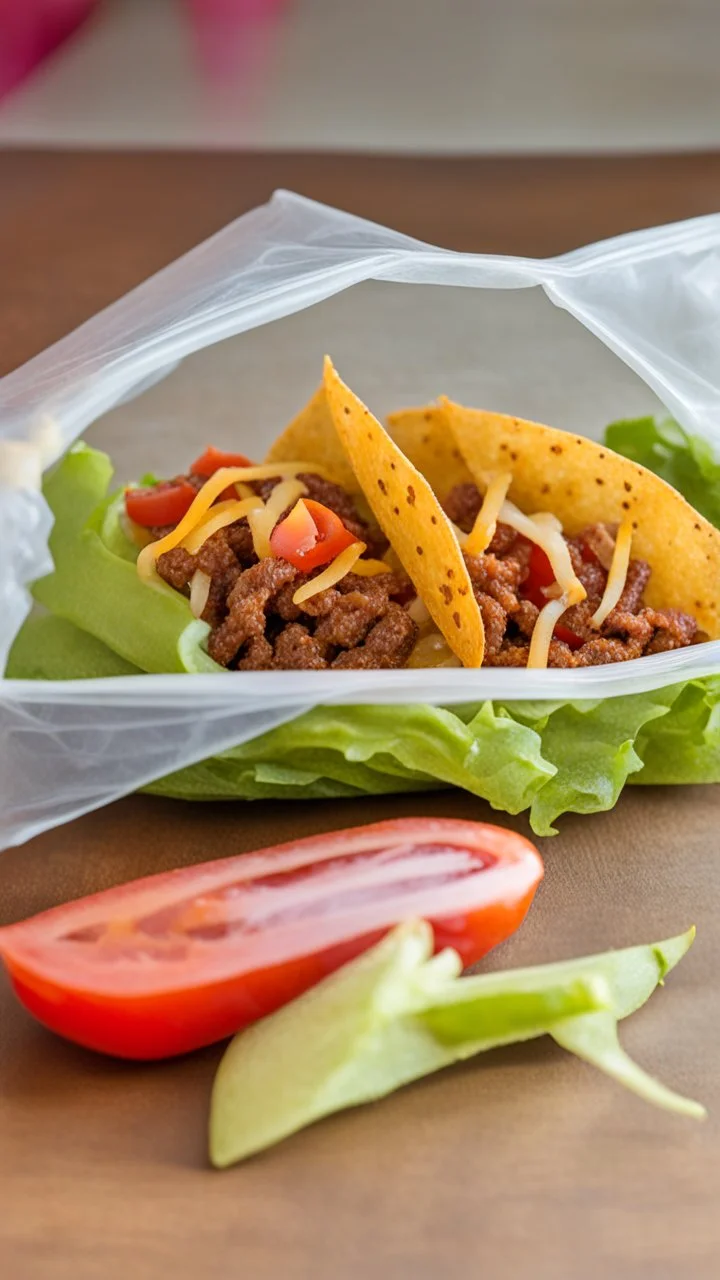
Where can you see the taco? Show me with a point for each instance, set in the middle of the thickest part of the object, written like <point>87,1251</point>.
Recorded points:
<point>458,538</point>
<point>577,556</point>
<point>333,553</point>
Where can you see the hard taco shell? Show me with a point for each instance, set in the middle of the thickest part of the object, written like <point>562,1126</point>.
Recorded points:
<point>412,519</point>
<point>582,483</point>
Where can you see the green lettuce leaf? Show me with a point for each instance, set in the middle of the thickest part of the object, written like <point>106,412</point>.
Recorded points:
<point>593,748</point>
<point>550,758</point>
<point>684,747</point>
<point>50,648</point>
<point>93,586</point>
<point>687,462</point>
<point>399,1013</point>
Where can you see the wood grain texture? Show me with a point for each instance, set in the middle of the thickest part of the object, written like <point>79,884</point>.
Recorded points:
<point>79,229</point>
<point>523,1164</point>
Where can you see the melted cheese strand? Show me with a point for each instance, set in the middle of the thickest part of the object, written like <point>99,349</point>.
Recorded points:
<point>617,574</point>
<point>542,529</point>
<point>341,565</point>
<point>262,521</point>
<point>199,592</point>
<point>222,514</point>
<point>483,530</point>
<point>419,612</point>
<point>548,619</point>
<point>205,497</point>
<point>433,651</point>
<point>369,568</point>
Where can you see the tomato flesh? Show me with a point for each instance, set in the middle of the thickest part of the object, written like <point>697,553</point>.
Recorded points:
<point>164,503</point>
<point>175,961</point>
<point>541,574</point>
<point>310,535</point>
<point>213,459</point>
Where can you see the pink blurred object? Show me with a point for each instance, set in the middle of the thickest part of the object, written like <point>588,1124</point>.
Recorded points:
<point>232,37</point>
<point>30,30</point>
<point>231,11</point>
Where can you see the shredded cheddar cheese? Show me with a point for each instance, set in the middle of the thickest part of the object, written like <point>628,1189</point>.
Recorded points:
<point>204,499</point>
<point>222,514</point>
<point>370,568</point>
<point>617,574</point>
<point>341,565</point>
<point>482,532</point>
<point>262,521</point>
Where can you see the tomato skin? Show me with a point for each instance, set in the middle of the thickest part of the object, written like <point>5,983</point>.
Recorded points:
<point>213,459</point>
<point>164,503</point>
<point>540,574</point>
<point>310,535</point>
<point>324,899</point>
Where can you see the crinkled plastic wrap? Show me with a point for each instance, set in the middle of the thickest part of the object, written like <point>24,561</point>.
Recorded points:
<point>419,321</point>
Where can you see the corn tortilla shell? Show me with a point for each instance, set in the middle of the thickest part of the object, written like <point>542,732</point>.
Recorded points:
<point>411,517</point>
<point>583,482</point>
<point>425,438</point>
<point>312,435</point>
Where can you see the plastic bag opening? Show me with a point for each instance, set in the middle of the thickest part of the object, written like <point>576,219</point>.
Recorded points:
<point>498,331</point>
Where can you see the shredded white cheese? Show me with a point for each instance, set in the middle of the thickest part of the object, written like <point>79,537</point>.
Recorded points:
<point>617,574</point>
<point>544,530</point>
<point>548,618</point>
<point>419,612</point>
<point>341,565</point>
<point>199,592</point>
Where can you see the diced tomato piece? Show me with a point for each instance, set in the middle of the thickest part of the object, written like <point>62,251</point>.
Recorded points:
<point>310,535</point>
<point>213,459</point>
<point>567,636</point>
<point>540,574</point>
<point>178,960</point>
<point>163,503</point>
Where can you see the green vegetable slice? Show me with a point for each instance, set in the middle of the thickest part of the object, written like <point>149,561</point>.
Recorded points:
<point>398,1013</point>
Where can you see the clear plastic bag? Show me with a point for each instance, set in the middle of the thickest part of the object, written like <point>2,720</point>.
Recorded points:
<point>652,298</point>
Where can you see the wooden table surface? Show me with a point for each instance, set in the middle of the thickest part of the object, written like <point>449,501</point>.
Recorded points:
<point>523,1164</point>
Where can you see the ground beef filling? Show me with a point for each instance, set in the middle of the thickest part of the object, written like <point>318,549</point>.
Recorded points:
<point>631,630</point>
<point>255,626</point>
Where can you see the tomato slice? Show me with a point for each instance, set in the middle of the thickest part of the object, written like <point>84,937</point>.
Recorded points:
<point>164,503</point>
<point>213,459</point>
<point>310,535</point>
<point>540,574</point>
<point>178,960</point>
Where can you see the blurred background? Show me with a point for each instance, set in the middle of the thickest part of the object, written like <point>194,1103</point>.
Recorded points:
<point>434,76</point>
